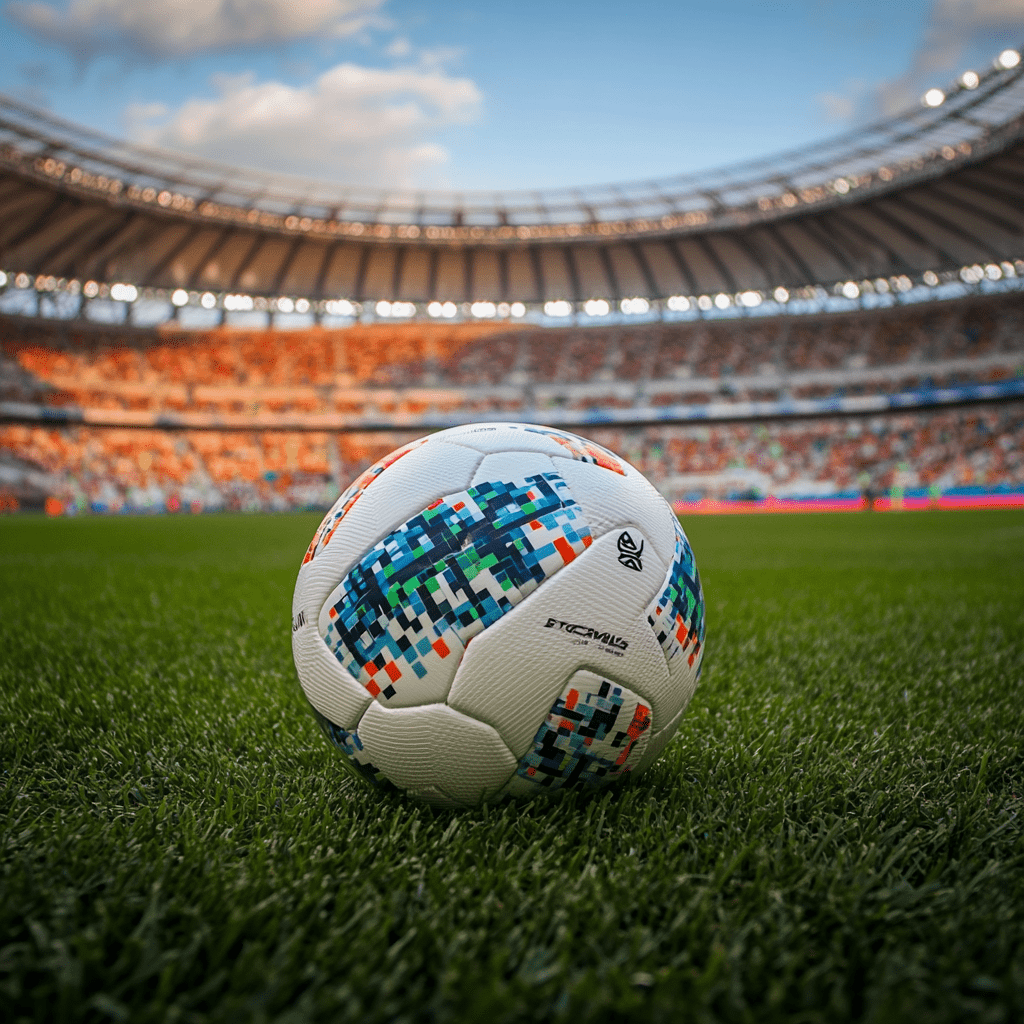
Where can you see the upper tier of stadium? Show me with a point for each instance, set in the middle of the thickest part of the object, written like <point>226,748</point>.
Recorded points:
<point>922,196</point>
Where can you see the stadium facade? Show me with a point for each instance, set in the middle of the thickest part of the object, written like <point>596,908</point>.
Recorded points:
<point>877,275</point>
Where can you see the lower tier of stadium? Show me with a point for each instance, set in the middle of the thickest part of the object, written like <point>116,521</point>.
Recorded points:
<point>920,402</point>
<point>926,456</point>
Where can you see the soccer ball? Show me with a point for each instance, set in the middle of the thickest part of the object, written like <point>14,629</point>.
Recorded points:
<point>498,608</point>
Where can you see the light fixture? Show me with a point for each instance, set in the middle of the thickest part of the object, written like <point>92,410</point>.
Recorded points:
<point>678,303</point>
<point>557,307</point>
<point>933,98</point>
<point>179,297</point>
<point>970,80</point>
<point>781,295</point>
<point>596,307</point>
<point>284,304</point>
<point>1008,59</point>
<point>208,300</point>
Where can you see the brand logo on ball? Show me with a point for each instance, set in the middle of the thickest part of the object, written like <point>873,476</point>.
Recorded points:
<point>298,622</point>
<point>587,633</point>
<point>629,553</point>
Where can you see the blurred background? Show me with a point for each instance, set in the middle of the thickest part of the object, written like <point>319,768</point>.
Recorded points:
<point>772,254</point>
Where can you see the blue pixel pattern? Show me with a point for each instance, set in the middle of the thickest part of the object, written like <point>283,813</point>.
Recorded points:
<point>588,739</point>
<point>677,614</point>
<point>425,590</point>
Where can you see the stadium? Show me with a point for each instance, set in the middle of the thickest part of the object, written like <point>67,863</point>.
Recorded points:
<point>837,329</point>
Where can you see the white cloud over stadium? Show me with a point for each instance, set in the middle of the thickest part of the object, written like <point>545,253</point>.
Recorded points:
<point>352,123</point>
<point>182,28</point>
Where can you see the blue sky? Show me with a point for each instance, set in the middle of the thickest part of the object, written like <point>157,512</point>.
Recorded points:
<point>485,95</point>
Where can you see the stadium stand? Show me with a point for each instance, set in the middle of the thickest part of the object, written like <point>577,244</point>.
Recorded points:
<point>843,319</point>
<point>476,370</point>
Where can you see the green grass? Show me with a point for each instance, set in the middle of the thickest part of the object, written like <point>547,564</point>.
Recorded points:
<point>834,835</point>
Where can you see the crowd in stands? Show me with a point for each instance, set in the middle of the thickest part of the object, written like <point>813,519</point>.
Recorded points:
<point>374,370</point>
<point>122,470</point>
<point>378,371</point>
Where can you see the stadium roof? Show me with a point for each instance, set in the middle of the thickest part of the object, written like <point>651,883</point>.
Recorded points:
<point>934,190</point>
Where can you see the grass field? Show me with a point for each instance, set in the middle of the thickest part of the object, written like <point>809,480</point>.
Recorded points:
<point>834,835</point>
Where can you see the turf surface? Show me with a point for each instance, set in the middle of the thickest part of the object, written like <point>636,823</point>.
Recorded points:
<point>834,835</point>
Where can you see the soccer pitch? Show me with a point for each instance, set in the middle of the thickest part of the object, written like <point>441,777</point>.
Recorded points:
<point>834,834</point>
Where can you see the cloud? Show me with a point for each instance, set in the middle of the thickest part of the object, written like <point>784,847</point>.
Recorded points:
<point>957,30</point>
<point>353,124</point>
<point>956,33</point>
<point>181,28</point>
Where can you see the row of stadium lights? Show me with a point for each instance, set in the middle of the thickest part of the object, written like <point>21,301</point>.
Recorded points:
<point>482,310</point>
<point>934,97</point>
<point>971,79</point>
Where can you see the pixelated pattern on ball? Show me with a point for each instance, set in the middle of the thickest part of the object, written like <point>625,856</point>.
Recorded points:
<point>424,591</point>
<point>581,449</point>
<point>677,614</point>
<point>348,742</point>
<point>333,519</point>
<point>588,738</point>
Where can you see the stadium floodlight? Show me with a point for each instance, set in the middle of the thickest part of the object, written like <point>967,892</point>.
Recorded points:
<point>403,309</point>
<point>241,303</point>
<point>504,309</point>
<point>124,292</point>
<point>749,299</point>
<point>179,297</point>
<point>722,301</point>
<point>678,303</point>
<point>90,290</point>
<point>483,310</point>
<point>933,98</point>
<point>383,308</point>
<point>970,80</point>
<point>339,307</point>
<point>704,302</point>
<point>557,307</point>
<point>1008,59</point>
<point>634,306</point>
<point>3,279</point>
<point>851,290</point>
<point>993,271</point>
<point>209,301</point>
<point>285,305</point>
<point>434,308</point>
<point>1008,269</point>
<point>841,185</point>
<point>903,283</point>
<point>517,309</point>
<point>596,307</point>
<point>302,305</point>
<point>781,295</point>
<point>930,278</point>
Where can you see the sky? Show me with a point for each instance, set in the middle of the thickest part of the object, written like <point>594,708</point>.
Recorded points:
<point>479,96</point>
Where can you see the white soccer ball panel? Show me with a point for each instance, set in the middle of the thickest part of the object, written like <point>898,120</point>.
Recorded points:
<point>511,673</point>
<point>436,753</point>
<point>513,466</point>
<point>327,686</point>
<point>399,492</point>
<point>490,438</point>
<point>611,501</point>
